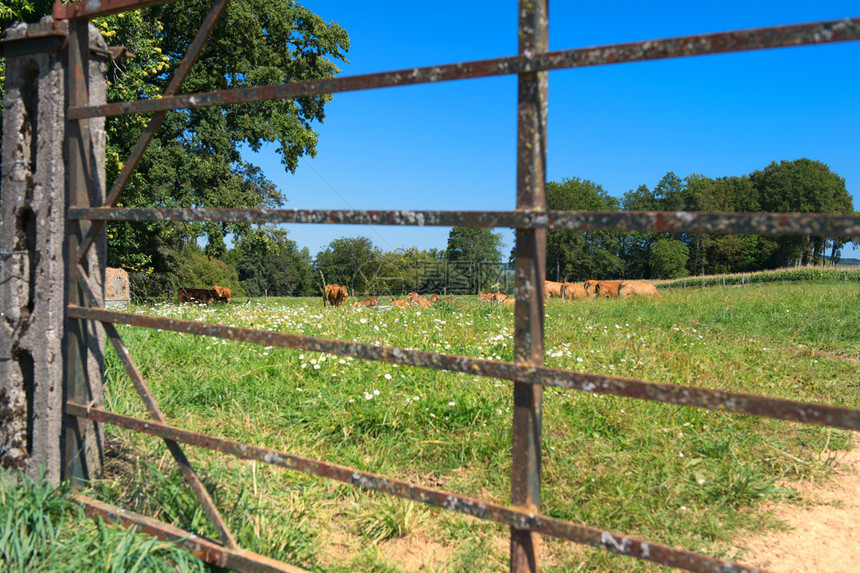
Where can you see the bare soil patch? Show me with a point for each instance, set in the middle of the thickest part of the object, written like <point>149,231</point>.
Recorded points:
<point>823,533</point>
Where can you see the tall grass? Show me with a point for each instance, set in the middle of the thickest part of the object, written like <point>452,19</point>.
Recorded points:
<point>676,475</point>
<point>43,530</point>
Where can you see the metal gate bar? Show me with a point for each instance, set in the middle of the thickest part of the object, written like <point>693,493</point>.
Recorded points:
<point>700,45</point>
<point>203,548</point>
<point>517,518</point>
<point>797,224</point>
<point>707,398</point>
<point>188,473</point>
<point>527,425</point>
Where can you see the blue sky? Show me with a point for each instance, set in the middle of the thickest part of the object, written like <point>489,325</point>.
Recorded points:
<point>452,145</point>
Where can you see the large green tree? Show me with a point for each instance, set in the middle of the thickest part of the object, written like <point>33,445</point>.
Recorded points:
<point>668,259</point>
<point>801,186</point>
<point>573,255</point>
<point>475,244</point>
<point>351,261</point>
<point>268,262</point>
<point>195,158</point>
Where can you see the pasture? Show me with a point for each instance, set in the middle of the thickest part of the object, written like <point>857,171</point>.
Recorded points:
<point>677,475</point>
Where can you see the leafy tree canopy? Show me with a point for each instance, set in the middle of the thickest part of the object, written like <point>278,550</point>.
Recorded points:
<point>350,261</point>
<point>669,259</point>
<point>478,244</point>
<point>269,263</point>
<point>580,255</point>
<point>195,158</point>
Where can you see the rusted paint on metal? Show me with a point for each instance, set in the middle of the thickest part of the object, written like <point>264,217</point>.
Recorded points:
<point>798,224</point>
<point>847,29</point>
<point>527,423</point>
<point>156,120</point>
<point>79,151</point>
<point>88,9</point>
<point>188,473</point>
<point>203,548</point>
<point>708,398</point>
<point>510,516</point>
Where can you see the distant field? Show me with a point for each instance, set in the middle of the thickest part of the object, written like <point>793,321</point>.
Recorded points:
<point>677,475</point>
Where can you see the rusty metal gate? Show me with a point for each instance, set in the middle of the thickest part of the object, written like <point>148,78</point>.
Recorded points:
<point>530,219</point>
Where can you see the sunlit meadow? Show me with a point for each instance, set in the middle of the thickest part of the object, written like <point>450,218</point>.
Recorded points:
<point>675,475</point>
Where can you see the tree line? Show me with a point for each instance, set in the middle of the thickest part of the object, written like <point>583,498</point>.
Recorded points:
<point>265,261</point>
<point>799,186</point>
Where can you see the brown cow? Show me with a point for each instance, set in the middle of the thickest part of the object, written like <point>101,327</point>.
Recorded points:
<point>607,288</point>
<point>372,301</point>
<point>492,296</point>
<point>601,288</point>
<point>400,302</point>
<point>486,296</point>
<point>221,294</point>
<point>419,300</point>
<point>551,288</point>
<point>572,291</point>
<point>197,295</point>
<point>636,288</point>
<point>335,294</point>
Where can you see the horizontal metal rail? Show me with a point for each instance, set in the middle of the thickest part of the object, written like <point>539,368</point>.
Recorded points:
<point>204,549</point>
<point>661,221</point>
<point>512,517</point>
<point>95,8</point>
<point>844,30</point>
<point>711,399</point>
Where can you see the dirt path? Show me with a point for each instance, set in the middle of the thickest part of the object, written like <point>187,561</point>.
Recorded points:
<point>824,533</point>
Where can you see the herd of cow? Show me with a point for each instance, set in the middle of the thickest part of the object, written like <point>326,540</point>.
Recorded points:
<point>336,295</point>
<point>599,288</point>
<point>205,295</point>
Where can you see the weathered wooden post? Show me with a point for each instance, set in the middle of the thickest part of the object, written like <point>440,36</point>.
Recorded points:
<point>46,358</point>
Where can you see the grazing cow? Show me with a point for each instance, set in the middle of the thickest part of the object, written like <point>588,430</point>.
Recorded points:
<point>492,296</point>
<point>607,288</point>
<point>196,295</point>
<point>551,288</point>
<point>221,294</point>
<point>601,288</point>
<point>572,291</point>
<point>335,294</point>
<point>636,288</point>
<point>400,302</point>
<point>434,298</point>
<point>372,301</point>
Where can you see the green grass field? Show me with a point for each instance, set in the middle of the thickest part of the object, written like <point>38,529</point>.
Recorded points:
<point>676,475</point>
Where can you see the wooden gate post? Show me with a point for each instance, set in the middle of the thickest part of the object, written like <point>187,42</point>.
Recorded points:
<point>36,264</point>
